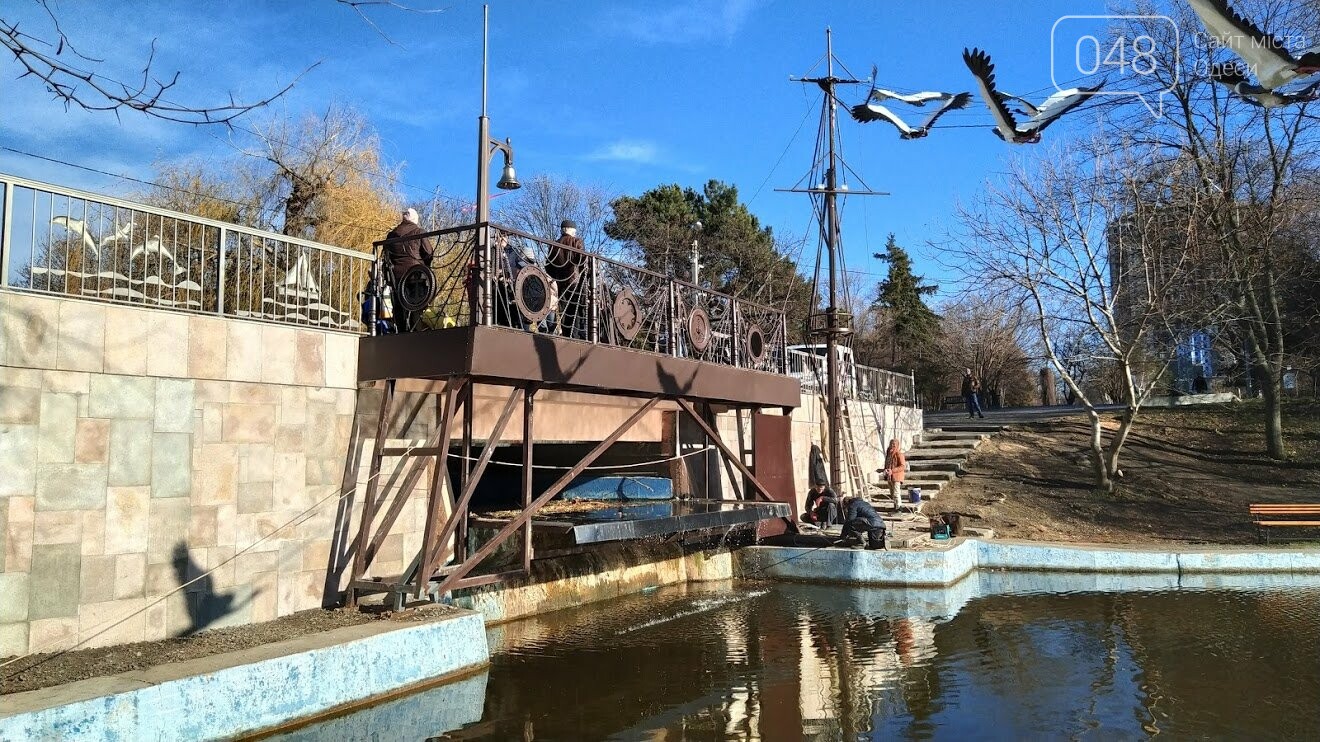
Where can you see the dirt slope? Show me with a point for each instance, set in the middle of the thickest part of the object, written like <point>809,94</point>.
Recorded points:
<point>1188,476</point>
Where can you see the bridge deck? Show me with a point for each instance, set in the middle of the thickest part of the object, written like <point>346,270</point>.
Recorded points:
<point>498,354</point>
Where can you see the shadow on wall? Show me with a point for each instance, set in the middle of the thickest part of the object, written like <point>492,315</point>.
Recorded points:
<point>205,605</point>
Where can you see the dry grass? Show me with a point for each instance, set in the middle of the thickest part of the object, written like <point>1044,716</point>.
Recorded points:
<point>1188,476</point>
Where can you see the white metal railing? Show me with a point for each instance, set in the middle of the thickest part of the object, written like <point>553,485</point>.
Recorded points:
<point>65,241</point>
<point>858,382</point>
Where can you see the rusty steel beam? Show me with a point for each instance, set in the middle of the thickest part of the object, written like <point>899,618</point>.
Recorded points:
<point>472,561</point>
<point>527,478</point>
<point>438,476</point>
<point>432,548</point>
<point>460,544</point>
<point>415,470</point>
<point>360,562</point>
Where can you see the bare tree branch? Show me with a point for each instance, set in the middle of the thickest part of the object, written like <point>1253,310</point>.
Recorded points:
<point>75,85</point>
<point>358,5</point>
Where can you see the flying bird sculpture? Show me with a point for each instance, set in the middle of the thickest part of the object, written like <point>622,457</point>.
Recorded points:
<point>872,110</point>
<point>1007,126</point>
<point>78,227</point>
<point>1236,79</point>
<point>1266,55</point>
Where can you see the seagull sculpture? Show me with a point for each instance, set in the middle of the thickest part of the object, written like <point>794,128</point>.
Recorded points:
<point>1264,53</point>
<point>78,227</point>
<point>872,110</point>
<point>1235,78</point>
<point>1039,117</point>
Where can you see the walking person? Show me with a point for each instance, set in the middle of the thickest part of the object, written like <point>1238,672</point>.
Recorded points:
<point>860,518</point>
<point>971,388</point>
<point>895,466</point>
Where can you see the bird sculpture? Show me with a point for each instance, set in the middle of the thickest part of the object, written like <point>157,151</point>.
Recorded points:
<point>1235,78</point>
<point>78,227</point>
<point>873,110</point>
<point>1266,55</point>
<point>1007,126</point>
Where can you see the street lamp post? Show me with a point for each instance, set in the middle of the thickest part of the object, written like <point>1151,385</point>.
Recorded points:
<point>696,256</point>
<point>487,146</point>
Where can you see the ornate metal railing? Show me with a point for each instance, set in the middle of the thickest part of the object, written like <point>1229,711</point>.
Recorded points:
<point>75,243</point>
<point>858,382</point>
<point>538,285</point>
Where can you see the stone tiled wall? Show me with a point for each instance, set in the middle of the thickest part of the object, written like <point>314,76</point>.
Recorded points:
<point>141,448</point>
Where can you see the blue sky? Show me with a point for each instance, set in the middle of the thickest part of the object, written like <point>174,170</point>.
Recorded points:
<point>624,95</point>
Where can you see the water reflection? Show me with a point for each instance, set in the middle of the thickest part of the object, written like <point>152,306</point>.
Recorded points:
<point>776,662</point>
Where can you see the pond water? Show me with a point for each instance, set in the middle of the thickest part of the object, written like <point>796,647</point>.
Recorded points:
<point>779,661</point>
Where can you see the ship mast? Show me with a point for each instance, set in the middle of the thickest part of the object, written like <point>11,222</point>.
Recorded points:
<point>837,320</point>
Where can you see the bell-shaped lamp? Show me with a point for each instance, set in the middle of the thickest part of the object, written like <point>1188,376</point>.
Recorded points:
<point>508,180</point>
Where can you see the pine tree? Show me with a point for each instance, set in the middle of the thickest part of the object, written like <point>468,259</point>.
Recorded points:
<point>913,325</point>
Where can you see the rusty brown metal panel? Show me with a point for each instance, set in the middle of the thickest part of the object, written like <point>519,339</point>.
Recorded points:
<point>501,354</point>
<point>772,452</point>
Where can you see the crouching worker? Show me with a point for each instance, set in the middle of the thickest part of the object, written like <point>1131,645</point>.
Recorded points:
<point>860,518</point>
<point>822,506</point>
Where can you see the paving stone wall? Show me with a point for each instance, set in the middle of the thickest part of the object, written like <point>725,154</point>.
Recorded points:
<point>142,448</point>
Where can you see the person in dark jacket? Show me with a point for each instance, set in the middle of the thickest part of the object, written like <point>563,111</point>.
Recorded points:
<point>860,518</point>
<point>822,505</point>
<point>971,389</point>
<point>406,253</point>
<point>402,255</point>
<point>568,267</point>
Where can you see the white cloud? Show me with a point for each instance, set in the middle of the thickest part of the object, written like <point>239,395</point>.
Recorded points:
<point>681,23</point>
<point>626,150</point>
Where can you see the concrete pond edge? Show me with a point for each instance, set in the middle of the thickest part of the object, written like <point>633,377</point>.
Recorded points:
<point>252,690</point>
<point>945,567</point>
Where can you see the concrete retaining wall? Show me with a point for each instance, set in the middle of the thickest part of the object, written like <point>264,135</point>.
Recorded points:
<point>242,692</point>
<point>927,568</point>
<point>609,572</point>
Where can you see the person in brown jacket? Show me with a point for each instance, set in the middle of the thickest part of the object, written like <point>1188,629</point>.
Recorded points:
<point>406,253</point>
<point>568,267</point>
<point>403,255</point>
<point>895,466</point>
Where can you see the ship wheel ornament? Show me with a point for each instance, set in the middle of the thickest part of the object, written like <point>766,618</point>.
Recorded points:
<point>698,329</point>
<point>627,314</point>
<point>533,294</point>
<point>757,347</point>
<point>415,289</point>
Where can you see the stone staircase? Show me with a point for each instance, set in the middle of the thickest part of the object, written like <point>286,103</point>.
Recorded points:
<point>938,457</point>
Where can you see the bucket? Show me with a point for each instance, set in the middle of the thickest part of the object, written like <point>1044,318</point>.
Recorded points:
<point>914,495</point>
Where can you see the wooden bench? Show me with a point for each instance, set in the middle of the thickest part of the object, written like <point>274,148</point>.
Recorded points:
<point>954,402</point>
<point>1304,515</point>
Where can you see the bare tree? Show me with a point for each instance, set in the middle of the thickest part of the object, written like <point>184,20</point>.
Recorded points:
<point>321,177</point>
<point>545,201</point>
<point>1081,239</point>
<point>324,170</point>
<point>986,334</point>
<point>1249,165</point>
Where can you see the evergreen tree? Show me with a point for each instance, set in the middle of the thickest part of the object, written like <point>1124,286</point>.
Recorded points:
<point>738,255</point>
<point>914,325</point>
